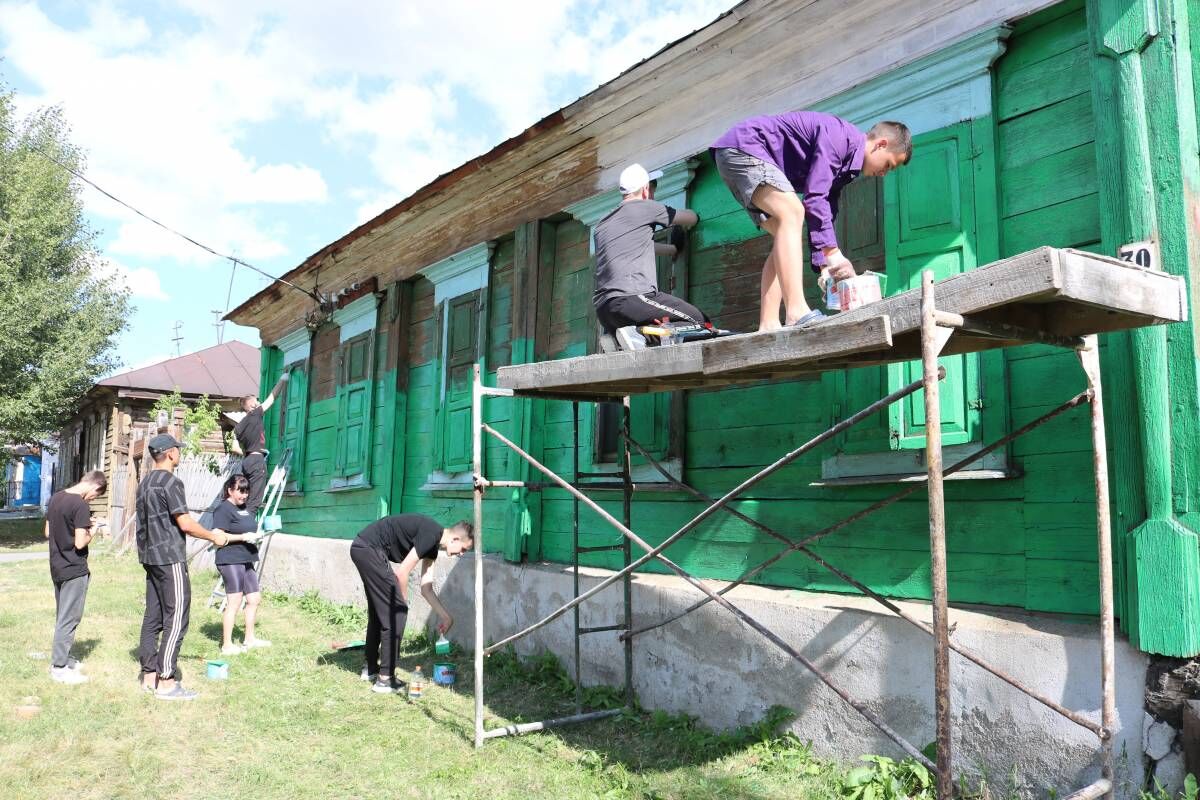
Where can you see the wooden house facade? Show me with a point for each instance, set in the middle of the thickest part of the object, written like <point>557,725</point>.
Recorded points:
<point>118,410</point>
<point>1071,124</point>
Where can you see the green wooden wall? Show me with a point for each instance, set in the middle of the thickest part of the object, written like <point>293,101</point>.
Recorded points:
<point>1025,541</point>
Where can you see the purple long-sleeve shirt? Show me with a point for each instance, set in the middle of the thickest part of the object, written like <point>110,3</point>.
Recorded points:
<point>819,153</point>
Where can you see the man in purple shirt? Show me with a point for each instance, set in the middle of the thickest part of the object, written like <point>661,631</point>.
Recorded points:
<point>767,161</point>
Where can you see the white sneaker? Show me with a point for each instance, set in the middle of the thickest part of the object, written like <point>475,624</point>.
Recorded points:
<point>67,675</point>
<point>368,676</point>
<point>74,663</point>
<point>233,650</point>
<point>257,643</point>
<point>630,338</point>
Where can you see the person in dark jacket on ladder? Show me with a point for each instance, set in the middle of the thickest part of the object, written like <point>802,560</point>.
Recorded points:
<point>251,437</point>
<point>385,553</point>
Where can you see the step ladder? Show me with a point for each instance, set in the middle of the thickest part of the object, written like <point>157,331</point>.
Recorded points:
<point>273,493</point>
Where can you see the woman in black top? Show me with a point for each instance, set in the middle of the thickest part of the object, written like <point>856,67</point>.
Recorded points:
<point>235,562</point>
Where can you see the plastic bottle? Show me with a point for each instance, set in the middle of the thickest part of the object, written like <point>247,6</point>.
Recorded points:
<point>417,685</point>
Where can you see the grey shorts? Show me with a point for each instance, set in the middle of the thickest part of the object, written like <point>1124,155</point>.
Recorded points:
<point>744,173</point>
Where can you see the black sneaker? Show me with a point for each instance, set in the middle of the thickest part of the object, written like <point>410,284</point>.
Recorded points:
<point>392,686</point>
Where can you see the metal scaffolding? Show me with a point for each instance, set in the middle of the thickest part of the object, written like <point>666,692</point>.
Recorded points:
<point>936,329</point>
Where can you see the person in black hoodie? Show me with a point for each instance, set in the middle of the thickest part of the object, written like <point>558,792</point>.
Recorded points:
<point>236,563</point>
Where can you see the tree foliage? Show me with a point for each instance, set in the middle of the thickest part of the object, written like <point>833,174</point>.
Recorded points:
<point>60,312</point>
<point>200,419</point>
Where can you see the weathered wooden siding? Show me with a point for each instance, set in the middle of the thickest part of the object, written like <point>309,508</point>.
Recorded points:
<point>1026,541</point>
<point>1048,194</point>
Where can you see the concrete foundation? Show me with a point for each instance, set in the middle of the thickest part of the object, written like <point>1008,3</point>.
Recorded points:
<point>710,665</point>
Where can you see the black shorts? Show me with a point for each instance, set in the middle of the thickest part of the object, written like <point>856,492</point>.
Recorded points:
<point>239,578</point>
<point>643,309</point>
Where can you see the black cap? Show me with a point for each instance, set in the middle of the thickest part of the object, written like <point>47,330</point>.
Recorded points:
<point>163,442</point>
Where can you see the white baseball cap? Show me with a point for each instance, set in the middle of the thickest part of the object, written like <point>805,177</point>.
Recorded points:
<point>634,177</point>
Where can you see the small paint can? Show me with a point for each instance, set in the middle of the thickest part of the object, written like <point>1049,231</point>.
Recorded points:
<point>218,670</point>
<point>443,674</point>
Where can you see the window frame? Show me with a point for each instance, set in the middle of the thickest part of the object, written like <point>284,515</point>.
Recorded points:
<point>357,322</point>
<point>455,277</point>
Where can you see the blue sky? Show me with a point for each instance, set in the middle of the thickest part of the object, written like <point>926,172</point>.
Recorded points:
<point>267,129</point>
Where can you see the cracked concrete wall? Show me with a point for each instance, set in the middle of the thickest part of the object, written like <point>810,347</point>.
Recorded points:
<point>712,666</point>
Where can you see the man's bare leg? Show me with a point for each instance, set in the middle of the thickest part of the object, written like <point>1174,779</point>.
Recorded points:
<point>786,226</point>
<point>770,296</point>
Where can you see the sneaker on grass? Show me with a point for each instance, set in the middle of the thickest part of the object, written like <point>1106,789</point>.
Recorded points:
<point>74,663</point>
<point>368,676</point>
<point>233,650</point>
<point>67,675</point>
<point>387,687</point>
<point>176,692</point>
<point>257,643</point>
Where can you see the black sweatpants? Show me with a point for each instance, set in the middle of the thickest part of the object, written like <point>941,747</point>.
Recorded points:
<point>254,467</point>
<point>643,309</point>
<point>386,610</point>
<point>168,607</point>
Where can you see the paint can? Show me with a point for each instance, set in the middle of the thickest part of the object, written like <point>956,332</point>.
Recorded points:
<point>851,293</point>
<point>444,674</point>
<point>218,670</point>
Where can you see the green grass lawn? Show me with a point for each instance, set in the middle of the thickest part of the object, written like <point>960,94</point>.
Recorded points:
<point>22,535</point>
<point>294,721</point>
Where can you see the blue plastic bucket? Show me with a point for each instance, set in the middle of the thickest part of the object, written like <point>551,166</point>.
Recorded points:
<point>218,670</point>
<point>443,674</point>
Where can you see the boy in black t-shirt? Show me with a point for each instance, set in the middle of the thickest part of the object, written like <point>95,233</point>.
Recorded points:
<point>252,439</point>
<point>385,553</point>
<point>69,530</point>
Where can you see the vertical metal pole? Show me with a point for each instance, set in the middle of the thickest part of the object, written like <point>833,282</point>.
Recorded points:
<point>626,546</point>
<point>575,551</point>
<point>1089,358</point>
<point>930,347</point>
<point>477,468</point>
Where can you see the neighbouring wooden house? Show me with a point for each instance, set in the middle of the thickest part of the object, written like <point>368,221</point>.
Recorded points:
<point>117,410</point>
<point>1071,124</point>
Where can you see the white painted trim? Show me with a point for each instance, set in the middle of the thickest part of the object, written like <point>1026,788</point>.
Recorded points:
<point>949,86</point>
<point>295,345</point>
<point>670,190</point>
<point>355,318</point>
<point>464,272</point>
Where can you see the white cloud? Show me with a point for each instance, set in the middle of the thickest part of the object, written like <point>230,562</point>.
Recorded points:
<point>142,282</point>
<point>167,100</point>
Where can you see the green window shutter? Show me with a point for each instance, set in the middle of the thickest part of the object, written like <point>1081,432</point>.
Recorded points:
<point>354,406</point>
<point>930,213</point>
<point>293,421</point>
<point>462,348</point>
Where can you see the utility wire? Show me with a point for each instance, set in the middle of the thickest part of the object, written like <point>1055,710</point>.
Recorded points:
<point>168,228</point>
